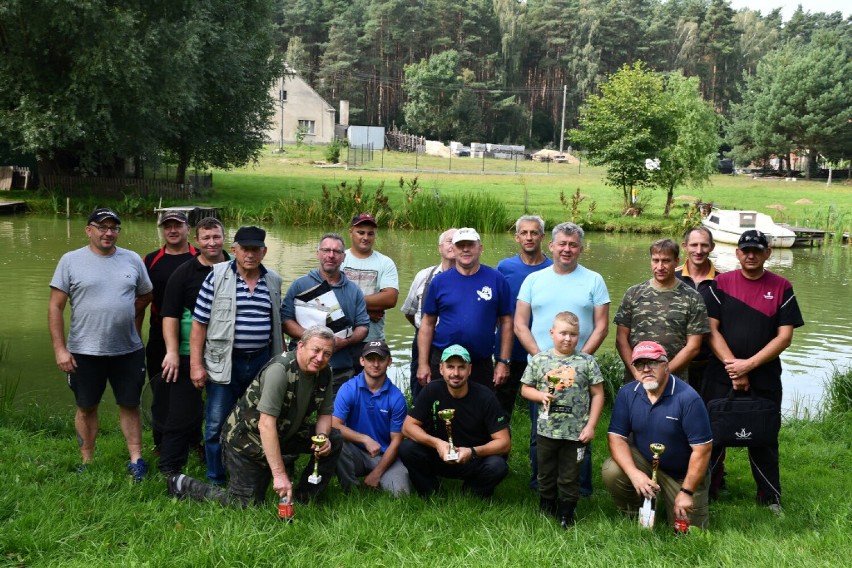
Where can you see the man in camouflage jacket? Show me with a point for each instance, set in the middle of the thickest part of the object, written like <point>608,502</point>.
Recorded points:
<point>270,426</point>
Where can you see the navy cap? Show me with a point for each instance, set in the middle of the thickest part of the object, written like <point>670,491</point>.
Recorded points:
<point>753,239</point>
<point>250,237</point>
<point>101,213</point>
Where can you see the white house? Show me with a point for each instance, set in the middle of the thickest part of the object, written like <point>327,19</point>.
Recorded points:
<point>300,107</point>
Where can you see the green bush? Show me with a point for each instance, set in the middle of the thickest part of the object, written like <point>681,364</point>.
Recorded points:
<point>332,151</point>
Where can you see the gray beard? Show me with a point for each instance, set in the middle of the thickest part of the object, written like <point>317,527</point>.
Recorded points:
<point>651,386</point>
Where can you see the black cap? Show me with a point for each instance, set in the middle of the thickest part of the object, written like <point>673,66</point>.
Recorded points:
<point>753,239</point>
<point>102,213</point>
<point>173,216</point>
<point>250,237</point>
<point>379,347</point>
<point>362,218</point>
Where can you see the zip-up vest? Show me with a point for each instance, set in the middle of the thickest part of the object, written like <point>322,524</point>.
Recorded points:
<point>223,314</point>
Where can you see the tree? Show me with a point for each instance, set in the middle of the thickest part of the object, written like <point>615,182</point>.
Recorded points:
<point>800,99</point>
<point>625,125</point>
<point>431,86</point>
<point>89,84</point>
<point>691,155</point>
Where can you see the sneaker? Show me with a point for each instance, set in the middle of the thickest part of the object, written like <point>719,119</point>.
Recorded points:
<point>138,471</point>
<point>776,509</point>
<point>81,468</point>
<point>174,485</point>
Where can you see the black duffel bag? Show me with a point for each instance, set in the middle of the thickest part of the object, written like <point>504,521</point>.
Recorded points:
<point>742,421</point>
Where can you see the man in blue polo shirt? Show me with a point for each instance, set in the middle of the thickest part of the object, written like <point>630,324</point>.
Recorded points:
<point>659,408</point>
<point>369,411</point>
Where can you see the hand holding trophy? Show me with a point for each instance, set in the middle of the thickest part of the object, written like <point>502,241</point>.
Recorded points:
<point>551,389</point>
<point>447,416</point>
<point>319,441</point>
<point>649,508</point>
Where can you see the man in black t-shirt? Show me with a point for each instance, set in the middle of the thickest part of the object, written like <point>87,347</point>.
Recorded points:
<point>480,431</point>
<point>181,407</point>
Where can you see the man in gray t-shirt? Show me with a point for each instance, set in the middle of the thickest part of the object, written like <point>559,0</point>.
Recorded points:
<point>107,286</point>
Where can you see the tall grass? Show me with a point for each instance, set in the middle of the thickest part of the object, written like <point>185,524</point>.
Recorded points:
<point>838,392</point>
<point>8,382</point>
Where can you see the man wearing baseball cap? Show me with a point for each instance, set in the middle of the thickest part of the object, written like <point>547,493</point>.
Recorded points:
<point>752,316</point>
<point>374,273</point>
<point>369,411</point>
<point>108,287</point>
<point>160,265</point>
<point>659,408</point>
<point>463,305</point>
<point>236,329</point>
<point>479,429</point>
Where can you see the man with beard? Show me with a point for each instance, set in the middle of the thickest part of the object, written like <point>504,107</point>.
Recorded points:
<point>659,408</point>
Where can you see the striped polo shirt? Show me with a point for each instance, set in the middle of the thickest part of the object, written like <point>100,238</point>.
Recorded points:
<point>254,310</point>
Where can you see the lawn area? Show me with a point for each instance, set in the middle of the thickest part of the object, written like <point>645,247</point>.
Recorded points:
<point>50,516</point>
<point>292,176</point>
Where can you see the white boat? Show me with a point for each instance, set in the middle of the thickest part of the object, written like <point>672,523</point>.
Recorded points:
<point>727,225</point>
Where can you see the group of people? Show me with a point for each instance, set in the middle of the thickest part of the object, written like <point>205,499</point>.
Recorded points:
<point>219,323</point>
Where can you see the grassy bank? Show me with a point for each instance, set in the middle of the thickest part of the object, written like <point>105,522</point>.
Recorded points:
<point>289,188</point>
<point>52,517</point>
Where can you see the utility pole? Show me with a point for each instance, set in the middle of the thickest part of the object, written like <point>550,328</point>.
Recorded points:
<point>282,97</point>
<point>562,132</point>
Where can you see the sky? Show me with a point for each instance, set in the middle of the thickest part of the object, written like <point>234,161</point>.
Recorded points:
<point>789,6</point>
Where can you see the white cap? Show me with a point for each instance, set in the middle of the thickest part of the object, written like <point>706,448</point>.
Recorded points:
<point>465,234</point>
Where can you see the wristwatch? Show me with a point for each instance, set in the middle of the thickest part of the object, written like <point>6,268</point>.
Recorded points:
<point>687,491</point>
<point>506,362</point>
<point>473,455</point>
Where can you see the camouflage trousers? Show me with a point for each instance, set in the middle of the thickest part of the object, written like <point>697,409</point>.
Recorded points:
<point>248,479</point>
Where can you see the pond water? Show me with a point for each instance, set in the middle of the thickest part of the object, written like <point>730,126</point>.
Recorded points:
<point>30,247</point>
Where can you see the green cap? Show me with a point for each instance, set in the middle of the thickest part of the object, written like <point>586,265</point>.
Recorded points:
<point>455,351</point>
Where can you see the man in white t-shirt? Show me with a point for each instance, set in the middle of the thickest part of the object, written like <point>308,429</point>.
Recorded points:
<point>374,273</point>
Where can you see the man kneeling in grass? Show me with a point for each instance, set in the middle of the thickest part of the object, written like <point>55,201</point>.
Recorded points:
<point>269,427</point>
<point>478,427</point>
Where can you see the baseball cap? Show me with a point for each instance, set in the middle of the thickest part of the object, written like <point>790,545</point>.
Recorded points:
<point>102,213</point>
<point>455,350</point>
<point>250,237</point>
<point>753,239</point>
<point>378,347</point>
<point>173,216</point>
<point>362,218</point>
<point>465,234</point>
<point>649,350</point>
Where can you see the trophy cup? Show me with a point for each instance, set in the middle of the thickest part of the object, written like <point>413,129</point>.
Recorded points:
<point>649,507</point>
<point>319,441</point>
<point>551,388</point>
<point>447,416</point>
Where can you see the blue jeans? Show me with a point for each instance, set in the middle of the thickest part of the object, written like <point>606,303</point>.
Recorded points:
<point>585,468</point>
<point>220,401</point>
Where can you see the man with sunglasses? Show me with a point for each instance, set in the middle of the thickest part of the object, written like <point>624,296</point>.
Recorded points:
<point>659,408</point>
<point>107,287</point>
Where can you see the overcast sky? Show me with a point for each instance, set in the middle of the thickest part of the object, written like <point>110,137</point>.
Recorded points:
<point>789,6</point>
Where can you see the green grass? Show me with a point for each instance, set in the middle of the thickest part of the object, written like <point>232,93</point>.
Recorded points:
<point>51,517</point>
<point>288,188</point>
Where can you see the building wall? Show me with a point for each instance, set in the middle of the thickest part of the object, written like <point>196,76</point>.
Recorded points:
<point>302,104</point>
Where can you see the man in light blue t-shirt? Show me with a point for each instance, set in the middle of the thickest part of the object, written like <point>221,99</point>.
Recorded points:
<point>565,286</point>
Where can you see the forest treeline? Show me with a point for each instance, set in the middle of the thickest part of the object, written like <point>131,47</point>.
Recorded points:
<point>504,81</point>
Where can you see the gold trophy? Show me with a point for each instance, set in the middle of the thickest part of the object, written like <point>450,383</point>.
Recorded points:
<point>649,508</point>
<point>319,441</point>
<point>551,388</point>
<point>447,416</point>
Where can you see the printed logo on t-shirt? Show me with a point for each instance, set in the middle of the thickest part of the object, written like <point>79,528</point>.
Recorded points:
<point>768,296</point>
<point>484,294</point>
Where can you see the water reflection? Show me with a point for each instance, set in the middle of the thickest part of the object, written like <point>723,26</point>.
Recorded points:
<point>31,246</point>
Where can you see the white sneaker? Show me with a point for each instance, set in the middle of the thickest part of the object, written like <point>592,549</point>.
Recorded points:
<point>776,509</point>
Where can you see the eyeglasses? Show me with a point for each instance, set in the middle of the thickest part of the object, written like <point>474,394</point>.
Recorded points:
<point>331,251</point>
<point>653,365</point>
<point>103,229</point>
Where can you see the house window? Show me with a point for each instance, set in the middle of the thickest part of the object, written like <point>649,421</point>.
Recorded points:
<point>282,96</point>
<point>308,126</point>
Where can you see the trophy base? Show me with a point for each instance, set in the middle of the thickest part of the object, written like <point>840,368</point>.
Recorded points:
<point>647,514</point>
<point>453,456</point>
<point>314,479</point>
